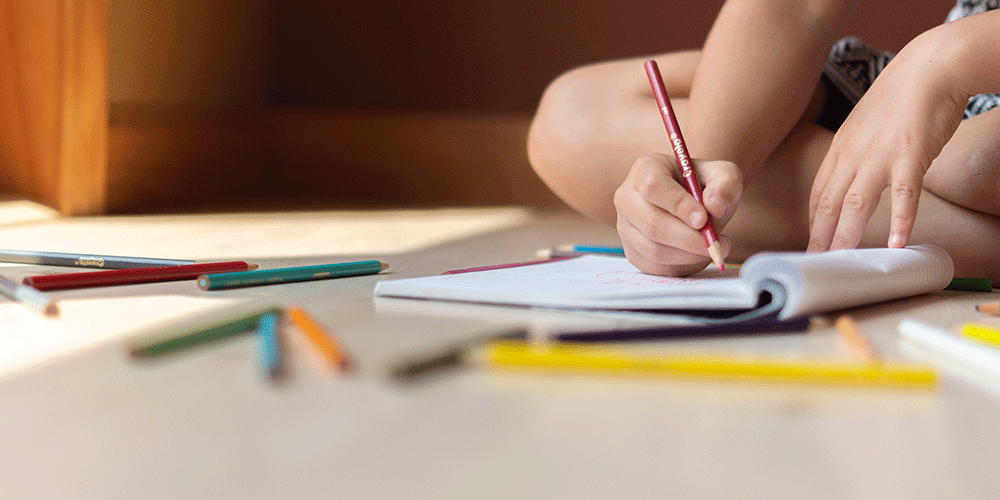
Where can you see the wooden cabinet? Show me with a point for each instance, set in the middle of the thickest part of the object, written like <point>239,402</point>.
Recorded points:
<point>53,105</point>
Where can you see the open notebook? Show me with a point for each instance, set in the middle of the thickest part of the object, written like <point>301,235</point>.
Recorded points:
<point>788,284</point>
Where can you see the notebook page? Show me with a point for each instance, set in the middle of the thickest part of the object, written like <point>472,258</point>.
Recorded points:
<point>828,281</point>
<point>587,282</point>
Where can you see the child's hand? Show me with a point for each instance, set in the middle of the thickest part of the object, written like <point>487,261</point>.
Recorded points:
<point>660,223</point>
<point>889,140</point>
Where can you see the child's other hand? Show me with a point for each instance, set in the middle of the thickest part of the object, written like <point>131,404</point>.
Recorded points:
<point>889,140</point>
<point>660,223</point>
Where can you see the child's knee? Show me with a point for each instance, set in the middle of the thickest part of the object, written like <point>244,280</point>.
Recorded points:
<point>560,122</point>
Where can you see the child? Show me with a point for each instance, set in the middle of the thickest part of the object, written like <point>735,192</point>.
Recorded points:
<point>791,160</point>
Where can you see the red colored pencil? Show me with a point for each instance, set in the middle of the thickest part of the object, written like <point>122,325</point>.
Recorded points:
<point>505,266</point>
<point>133,276</point>
<point>683,158</point>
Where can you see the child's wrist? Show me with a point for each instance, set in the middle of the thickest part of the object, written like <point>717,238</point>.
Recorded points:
<point>946,58</point>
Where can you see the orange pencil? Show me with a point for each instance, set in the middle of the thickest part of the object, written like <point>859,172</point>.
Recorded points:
<point>859,345</point>
<point>320,339</point>
<point>989,308</point>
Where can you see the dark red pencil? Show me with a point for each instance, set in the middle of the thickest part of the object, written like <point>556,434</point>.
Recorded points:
<point>683,158</point>
<point>505,266</point>
<point>133,276</point>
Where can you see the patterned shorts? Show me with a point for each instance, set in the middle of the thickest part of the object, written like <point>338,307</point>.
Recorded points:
<point>851,69</point>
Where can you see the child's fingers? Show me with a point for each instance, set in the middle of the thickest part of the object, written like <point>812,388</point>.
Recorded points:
<point>653,180</point>
<point>820,182</point>
<point>829,204</point>
<point>659,227</point>
<point>907,181</point>
<point>656,258</point>
<point>859,204</point>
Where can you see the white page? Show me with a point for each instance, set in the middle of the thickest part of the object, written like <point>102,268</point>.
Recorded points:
<point>587,282</point>
<point>828,281</point>
<point>813,282</point>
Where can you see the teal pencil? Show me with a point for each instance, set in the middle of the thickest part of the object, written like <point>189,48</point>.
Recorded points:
<point>270,345</point>
<point>591,249</point>
<point>289,274</point>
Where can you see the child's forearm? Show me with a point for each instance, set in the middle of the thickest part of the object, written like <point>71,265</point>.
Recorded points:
<point>972,48</point>
<point>758,70</point>
<point>966,54</point>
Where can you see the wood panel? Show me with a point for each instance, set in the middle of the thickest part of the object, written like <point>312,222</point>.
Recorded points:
<point>164,160</point>
<point>53,102</point>
<point>409,159</point>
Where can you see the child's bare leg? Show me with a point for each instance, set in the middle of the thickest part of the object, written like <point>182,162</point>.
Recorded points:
<point>594,121</point>
<point>967,172</point>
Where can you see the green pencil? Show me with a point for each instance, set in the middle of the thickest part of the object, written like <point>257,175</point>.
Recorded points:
<point>259,277</point>
<point>191,336</point>
<point>971,284</point>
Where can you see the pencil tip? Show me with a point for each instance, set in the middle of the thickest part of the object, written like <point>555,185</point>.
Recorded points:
<point>990,308</point>
<point>715,251</point>
<point>51,309</point>
<point>384,266</point>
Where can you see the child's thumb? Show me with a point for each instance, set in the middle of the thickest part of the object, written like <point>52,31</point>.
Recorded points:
<point>723,186</point>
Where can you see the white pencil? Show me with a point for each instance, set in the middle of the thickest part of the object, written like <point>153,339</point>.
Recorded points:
<point>965,351</point>
<point>27,295</point>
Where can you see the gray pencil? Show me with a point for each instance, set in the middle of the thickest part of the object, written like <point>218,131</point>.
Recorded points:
<point>85,260</point>
<point>29,296</point>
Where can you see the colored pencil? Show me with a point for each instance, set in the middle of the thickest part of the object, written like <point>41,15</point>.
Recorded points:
<point>971,285</point>
<point>450,357</point>
<point>577,250</point>
<point>270,345</point>
<point>765,324</point>
<point>131,276</point>
<point>85,260</point>
<point>982,333</point>
<point>591,249</point>
<point>989,308</point>
<point>683,158</point>
<point>222,281</point>
<point>982,357</point>
<point>578,359</point>
<point>211,329</point>
<point>860,346</point>
<point>320,339</point>
<point>28,296</point>
<point>506,266</point>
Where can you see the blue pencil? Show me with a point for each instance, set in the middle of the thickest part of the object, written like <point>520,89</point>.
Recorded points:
<point>85,260</point>
<point>591,249</point>
<point>574,250</point>
<point>270,344</point>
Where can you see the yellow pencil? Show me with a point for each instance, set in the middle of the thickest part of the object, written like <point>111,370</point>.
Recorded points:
<point>861,348</point>
<point>982,333</point>
<point>321,340</point>
<point>579,359</point>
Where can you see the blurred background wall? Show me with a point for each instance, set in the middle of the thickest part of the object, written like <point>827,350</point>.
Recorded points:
<point>301,103</point>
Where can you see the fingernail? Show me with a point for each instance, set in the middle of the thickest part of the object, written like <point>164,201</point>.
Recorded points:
<point>718,201</point>
<point>896,241</point>
<point>697,219</point>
